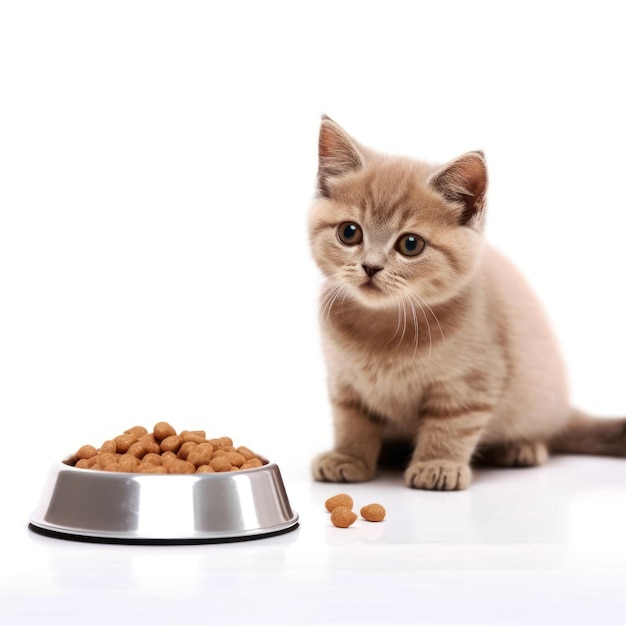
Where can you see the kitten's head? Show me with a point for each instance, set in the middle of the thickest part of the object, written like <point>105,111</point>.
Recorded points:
<point>382,227</point>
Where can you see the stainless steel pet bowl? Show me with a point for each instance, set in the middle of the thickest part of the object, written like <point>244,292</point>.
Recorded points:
<point>111,507</point>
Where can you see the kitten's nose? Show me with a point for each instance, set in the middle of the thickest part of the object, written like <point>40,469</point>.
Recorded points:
<point>370,270</point>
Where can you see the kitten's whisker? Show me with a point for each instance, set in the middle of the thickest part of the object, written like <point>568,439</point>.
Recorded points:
<point>343,299</point>
<point>430,337</point>
<point>443,337</point>
<point>416,326</point>
<point>398,304</point>
<point>415,321</point>
<point>328,295</point>
<point>328,291</point>
<point>329,287</point>
<point>404,324</point>
<point>337,293</point>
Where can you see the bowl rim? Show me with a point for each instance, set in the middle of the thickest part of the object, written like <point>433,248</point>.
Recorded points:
<point>64,465</point>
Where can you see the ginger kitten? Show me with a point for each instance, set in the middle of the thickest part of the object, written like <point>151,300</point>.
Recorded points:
<point>430,336</point>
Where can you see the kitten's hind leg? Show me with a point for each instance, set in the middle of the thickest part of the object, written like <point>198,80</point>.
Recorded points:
<point>513,454</point>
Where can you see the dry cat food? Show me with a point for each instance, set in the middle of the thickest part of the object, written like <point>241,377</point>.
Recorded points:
<point>373,512</point>
<point>164,451</point>
<point>342,515</point>
<point>341,499</point>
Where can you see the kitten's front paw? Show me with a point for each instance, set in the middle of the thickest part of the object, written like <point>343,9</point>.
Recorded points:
<point>335,467</point>
<point>438,475</point>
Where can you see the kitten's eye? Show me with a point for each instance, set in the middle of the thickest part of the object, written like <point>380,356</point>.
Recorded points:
<point>410,245</point>
<point>350,233</point>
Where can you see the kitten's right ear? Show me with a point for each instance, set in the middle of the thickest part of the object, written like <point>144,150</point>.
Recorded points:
<point>338,155</point>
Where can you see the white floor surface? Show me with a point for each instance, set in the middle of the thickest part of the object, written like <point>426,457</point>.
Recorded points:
<point>540,546</point>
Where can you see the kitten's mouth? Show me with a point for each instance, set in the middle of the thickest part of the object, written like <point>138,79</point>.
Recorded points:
<point>371,294</point>
<point>370,285</point>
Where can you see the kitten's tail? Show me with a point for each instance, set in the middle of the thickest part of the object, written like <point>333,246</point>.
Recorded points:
<point>596,436</point>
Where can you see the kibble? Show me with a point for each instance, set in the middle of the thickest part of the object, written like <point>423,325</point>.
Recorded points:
<point>150,443</point>
<point>252,463</point>
<point>235,459</point>
<point>106,458</point>
<point>201,454</point>
<point>373,512</point>
<point>193,436</point>
<point>205,469</point>
<point>86,452</point>
<point>168,457</point>
<point>153,458</point>
<point>163,430</point>
<point>128,462</point>
<point>220,464</point>
<point>185,449</point>
<point>108,446</point>
<point>341,499</point>
<point>246,453</point>
<point>342,516</point>
<point>123,442</point>
<point>151,468</point>
<point>138,450</point>
<point>181,467</point>
<point>171,444</point>
<point>163,451</point>
<point>136,431</point>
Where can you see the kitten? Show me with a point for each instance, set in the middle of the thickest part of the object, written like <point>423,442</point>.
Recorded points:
<point>430,336</point>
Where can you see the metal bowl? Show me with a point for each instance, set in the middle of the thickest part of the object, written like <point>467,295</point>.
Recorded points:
<point>112,507</point>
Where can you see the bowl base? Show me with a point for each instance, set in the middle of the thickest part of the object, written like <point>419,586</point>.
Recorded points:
<point>55,534</point>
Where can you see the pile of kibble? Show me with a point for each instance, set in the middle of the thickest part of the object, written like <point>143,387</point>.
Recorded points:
<point>164,451</point>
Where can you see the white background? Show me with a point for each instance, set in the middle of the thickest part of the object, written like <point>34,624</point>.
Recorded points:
<point>157,161</point>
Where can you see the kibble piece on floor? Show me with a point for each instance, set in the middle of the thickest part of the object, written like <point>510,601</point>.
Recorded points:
<point>373,512</point>
<point>341,499</point>
<point>342,517</point>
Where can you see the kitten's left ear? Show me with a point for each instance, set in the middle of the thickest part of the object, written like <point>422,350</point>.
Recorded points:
<point>464,181</point>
